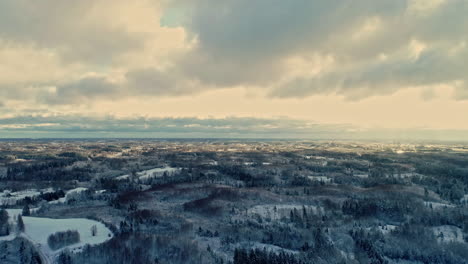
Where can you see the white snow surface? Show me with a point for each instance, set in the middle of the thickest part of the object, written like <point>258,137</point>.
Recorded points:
<point>152,173</point>
<point>9,198</point>
<point>279,211</point>
<point>448,233</point>
<point>320,179</point>
<point>69,194</point>
<point>436,205</point>
<point>38,230</point>
<point>465,198</point>
<point>385,229</point>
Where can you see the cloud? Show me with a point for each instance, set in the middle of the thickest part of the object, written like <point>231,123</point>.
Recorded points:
<point>76,125</point>
<point>78,30</point>
<point>80,52</point>
<point>378,47</point>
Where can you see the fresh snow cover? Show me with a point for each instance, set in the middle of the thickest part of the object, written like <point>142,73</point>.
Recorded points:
<point>385,229</point>
<point>276,212</point>
<point>448,233</point>
<point>156,172</point>
<point>436,205</point>
<point>13,213</point>
<point>38,230</point>
<point>69,194</point>
<point>361,175</point>
<point>320,179</point>
<point>267,247</point>
<point>464,199</point>
<point>10,198</point>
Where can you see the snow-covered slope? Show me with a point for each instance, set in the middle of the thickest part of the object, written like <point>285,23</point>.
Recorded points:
<point>10,198</point>
<point>69,194</point>
<point>156,172</point>
<point>38,230</point>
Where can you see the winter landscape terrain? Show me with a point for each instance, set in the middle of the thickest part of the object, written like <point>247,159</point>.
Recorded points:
<point>232,201</point>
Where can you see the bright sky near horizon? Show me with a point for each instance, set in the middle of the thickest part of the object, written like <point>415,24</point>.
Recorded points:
<point>265,66</point>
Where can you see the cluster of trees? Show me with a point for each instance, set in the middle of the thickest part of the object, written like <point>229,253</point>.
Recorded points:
<point>4,225</point>
<point>54,170</point>
<point>392,209</point>
<point>257,256</point>
<point>139,247</point>
<point>63,239</point>
<point>18,250</point>
<point>412,243</point>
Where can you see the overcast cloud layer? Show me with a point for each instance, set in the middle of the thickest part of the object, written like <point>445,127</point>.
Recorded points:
<point>61,54</point>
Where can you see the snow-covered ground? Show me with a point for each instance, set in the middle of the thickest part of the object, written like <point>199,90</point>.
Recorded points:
<point>320,179</point>
<point>13,213</point>
<point>361,175</point>
<point>267,247</point>
<point>436,205</point>
<point>276,212</point>
<point>153,173</point>
<point>69,195</point>
<point>464,199</point>
<point>385,229</point>
<point>38,230</point>
<point>10,198</point>
<point>448,233</point>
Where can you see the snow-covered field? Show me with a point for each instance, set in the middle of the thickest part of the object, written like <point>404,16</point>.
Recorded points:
<point>361,175</point>
<point>10,198</point>
<point>385,229</point>
<point>38,230</point>
<point>153,173</point>
<point>320,179</point>
<point>69,195</point>
<point>276,212</point>
<point>448,233</point>
<point>267,247</point>
<point>464,199</point>
<point>436,205</point>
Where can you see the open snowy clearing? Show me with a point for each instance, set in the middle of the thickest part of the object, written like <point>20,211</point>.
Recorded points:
<point>448,233</point>
<point>276,212</point>
<point>38,230</point>
<point>436,205</point>
<point>385,229</point>
<point>10,198</point>
<point>153,173</point>
<point>69,195</point>
<point>464,199</point>
<point>320,179</point>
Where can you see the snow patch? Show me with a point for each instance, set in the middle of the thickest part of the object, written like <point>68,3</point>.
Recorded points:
<point>448,233</point>
<point>38,230</point>
<point>69,195</point>
<point>276,212</point>
<point>436,205</point>
<point>153,173</point>
<point>10,198</point>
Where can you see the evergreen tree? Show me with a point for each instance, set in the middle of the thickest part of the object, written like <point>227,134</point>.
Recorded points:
<point>26,211</point>
<point>4,228</point>
<point>20,224</point>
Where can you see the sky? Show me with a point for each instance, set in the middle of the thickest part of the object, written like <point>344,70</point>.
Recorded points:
<point>319,69</point>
